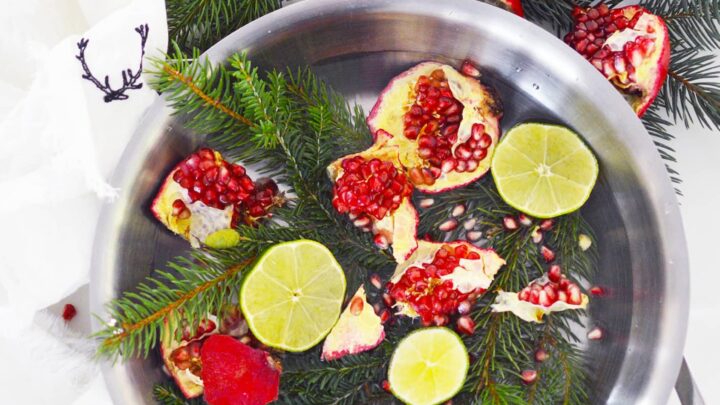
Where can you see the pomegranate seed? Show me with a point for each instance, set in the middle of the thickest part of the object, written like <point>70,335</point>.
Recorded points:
<point>362,222</point>
<point>388,300</point>
<point>524,294</point>
<point>464,307</point>
<point>469,69</point>
<point>546,224</point>
<point>510,223</point>
<point>375,281</point>
<point>458,210</point>
<point>562,296</point>
<point>386,386</point>
<point>595,334</point>
<point>356,306</point>
<point>536,235</point>
<point>547,254</point>
<point>472,165</point>
<point>69,312</point>
<point>448,165</point>
<point>384,316</point>
<point>466,325</point>
<point>551,293</point>
<point>448,225</point>
<point>543,299</point>
<point>524,220</point>
<point>469,223</point>
<point>427,202</point>
<point>541,355</point>
<point>574,295</point>
<point>528,376</point>
<point>597,290</point>
<point>381,241</point>
<point>474,235</point>
<point>555,273</point>
<point>584,242</point>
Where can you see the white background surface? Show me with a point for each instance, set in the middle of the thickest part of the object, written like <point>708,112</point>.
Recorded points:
<point>698,163</point>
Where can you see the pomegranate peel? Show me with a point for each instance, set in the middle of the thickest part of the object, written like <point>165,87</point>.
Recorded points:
<point>439,277</point>
<point>204,194</point>
<point>359,329</point>
<point>397,226</point>
<point>542,296</point>
<point>189,382</point>
<point>444,124</point>
<point>629,45</point>
<point>514,6</point>
<point>235,373</point>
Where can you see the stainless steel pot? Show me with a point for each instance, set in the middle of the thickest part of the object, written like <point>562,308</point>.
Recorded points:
<point>357,45</point>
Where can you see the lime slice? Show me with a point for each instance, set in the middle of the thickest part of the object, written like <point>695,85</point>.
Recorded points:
<point>223,239</point>
<point>429,366</point>
<point>544,170</point>
<point>292,297</point>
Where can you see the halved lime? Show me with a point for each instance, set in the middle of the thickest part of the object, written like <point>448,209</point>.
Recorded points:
<point>544,170</point>
<point>292,297</point>
<point>428,366</point>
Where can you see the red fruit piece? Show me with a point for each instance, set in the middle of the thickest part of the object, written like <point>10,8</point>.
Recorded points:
<point>446,127</point>
<point>514,6</point>
<point>234,373</point>
<point>374,191</point>
<point>69,312</point>
<point>439,277</point>
<point>629,45</point>
<point>204,194</point>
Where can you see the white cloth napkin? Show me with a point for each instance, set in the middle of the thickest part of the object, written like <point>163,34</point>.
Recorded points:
<point>59,142</point>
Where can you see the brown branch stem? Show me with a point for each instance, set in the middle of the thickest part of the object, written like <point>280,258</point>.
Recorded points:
<point>694,88</point>
<point>215,103</point>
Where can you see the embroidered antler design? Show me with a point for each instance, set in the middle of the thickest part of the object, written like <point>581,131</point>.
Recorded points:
<point>129,78</point>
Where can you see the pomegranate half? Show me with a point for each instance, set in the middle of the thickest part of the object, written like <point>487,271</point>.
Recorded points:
<point>440,277</point>
<point>552,292</point>
<point>205,194</point>
<point>444,124</point>
<point>359,329</point>
<point>373,190</point>
<point>629,45</point>
<point>182,357</point>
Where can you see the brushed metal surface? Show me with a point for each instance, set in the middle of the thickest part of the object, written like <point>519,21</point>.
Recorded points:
<point>358,45</point>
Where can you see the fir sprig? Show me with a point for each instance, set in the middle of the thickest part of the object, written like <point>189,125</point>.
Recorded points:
<point>169,394</point>
<point>201,23</point>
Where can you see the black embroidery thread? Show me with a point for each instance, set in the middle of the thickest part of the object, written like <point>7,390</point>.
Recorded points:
<point>129,78</point>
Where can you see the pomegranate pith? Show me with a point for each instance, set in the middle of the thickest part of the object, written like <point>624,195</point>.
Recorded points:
<point>629,45</point>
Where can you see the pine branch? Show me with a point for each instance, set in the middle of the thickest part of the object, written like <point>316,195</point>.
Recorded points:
<point>692,23</point>
<point>194,289</point>
<point>202,23</point>
<point>692,91</point>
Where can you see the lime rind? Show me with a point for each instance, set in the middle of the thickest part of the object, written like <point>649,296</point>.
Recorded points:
<point>437,343</point>
<point>300,331</point>
<point>573,170</point>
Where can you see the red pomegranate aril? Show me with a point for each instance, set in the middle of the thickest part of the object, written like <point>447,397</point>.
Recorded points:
<point>547,254</point>
<point>562,296</point>
<point>69,312</point>
<point>384,316</point>
<point>555,273</point>
<point>574,295</point>
<point>472,165</point>
<point>528,376</point>
<point>466,325</point>
<point>356,306</point>
<point>546,224</point>
<point>381,241</point>
<point>541,355</point>
<point>595,334</point>
<point>469,69</point>
<point>597,290</point>
<point>510,223</point>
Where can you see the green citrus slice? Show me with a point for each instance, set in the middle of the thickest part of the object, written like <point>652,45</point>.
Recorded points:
<point>428,366</point>
<point>544,170</point>
<point>292,297</point>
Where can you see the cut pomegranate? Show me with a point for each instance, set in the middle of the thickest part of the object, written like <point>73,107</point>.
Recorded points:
<point>552,292</point>
<point>204,194</point>
<point>372,188</point>
<point>445,124</point>
<point>234,373</point>
<point>359,329</point>
<point>438,277</point>
<point>629,45</point>
<point>182,357</point>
